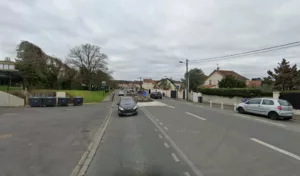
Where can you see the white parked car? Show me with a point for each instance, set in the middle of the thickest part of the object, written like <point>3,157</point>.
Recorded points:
<point>121,93</point>
<point>273,108</point>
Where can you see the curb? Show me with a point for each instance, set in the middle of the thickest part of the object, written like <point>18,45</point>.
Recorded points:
<point>85,160</point>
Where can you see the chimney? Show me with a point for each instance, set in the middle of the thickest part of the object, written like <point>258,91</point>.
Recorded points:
<point>218,68</point>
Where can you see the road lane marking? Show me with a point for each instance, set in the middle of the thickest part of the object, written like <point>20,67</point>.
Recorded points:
<point>161,123</point>
<point>10,114</point>
<point>201,118</point>
<point>166,145</point>
<point>195,170</point>
<point>160,136</point>
<point>155,130</point>
<point>171,106</point>
<point>156,120</point>
<point>88,155</point>
<point>260,120</point>
<point>277,149</point>
<point>175,157</point>
<point>186,174</point>
<point>3,136</point>
<point>166,128</point>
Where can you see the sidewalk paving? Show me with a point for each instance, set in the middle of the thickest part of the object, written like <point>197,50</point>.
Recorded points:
<point>225,107</point>
<point>47,141</point>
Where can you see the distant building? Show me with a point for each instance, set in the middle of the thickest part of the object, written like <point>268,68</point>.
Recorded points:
<point>171,84</point>
<point>253,83</point>
<point>212,81</point>
<point>148,83</point>
<point>7,65</point>
<point>9,75</point>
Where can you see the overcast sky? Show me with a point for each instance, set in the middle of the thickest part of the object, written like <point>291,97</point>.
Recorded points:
<point>148,38</point>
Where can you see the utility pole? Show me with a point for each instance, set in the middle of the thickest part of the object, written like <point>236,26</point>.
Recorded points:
<point>140,83</point>
<point>187,81</point>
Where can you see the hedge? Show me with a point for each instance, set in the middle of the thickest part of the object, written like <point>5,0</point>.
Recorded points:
<point>289,92</point>
<point>238,92</point>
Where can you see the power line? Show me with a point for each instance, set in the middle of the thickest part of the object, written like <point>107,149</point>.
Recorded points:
<point>162,73</point>
<point>253,52</point>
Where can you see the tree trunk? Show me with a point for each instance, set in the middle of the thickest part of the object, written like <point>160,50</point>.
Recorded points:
<point>90,85</point>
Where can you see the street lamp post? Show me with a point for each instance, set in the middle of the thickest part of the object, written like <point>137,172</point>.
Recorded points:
<point>187,82</point>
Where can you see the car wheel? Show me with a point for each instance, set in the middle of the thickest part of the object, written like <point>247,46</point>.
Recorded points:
<point>120,115</point>
<point>136,113</point>
<point>273,115</point>
<point>241,110</point>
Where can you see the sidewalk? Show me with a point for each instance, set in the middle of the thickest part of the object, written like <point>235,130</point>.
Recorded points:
<point>225,107</point>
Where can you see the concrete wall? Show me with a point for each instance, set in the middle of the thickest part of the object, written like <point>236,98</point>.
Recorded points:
<point>147,85</point>
<point>180,94</point>
<point>195,96</point>
<point>224,100</point>
<point>214,79</point>
<point>8,100</point>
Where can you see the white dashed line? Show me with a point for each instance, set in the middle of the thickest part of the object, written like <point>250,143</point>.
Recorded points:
<point>276,149</point>
<point>186,174</point>
<point>161,123</point>
<point>166,128</point>
<point>195,170</point>
<point>160,136</point>
<point>166,145</point>
<point>171,106</point>
<point>175,157</point>
<point>156,120</point>
<point>201,118</point>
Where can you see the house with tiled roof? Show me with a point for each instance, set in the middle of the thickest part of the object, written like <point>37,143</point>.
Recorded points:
<point>148,83</point>
<point>212,81</point>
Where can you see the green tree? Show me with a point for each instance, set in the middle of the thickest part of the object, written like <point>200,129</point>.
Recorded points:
<point>231,82</point>
<point>285,76</point>
<point>32,62</point>
<point>197,78</point>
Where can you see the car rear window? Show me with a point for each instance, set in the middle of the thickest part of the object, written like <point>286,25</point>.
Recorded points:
<point>126,101</point>
<point>284,103</point>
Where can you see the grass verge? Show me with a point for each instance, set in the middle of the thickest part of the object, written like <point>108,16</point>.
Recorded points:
<point>4,88</point>
<point>88,96</point>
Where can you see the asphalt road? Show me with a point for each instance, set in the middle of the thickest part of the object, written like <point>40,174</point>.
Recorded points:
<point>46,141</point>
<point>133,146</point>
<point>186,139</point>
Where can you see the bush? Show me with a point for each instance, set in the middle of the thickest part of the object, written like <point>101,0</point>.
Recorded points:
<point>238,92</point>
<point>289,92</point>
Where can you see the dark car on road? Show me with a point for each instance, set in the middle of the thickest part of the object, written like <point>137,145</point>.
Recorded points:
<point>156,95</point>
<point>127,106</point>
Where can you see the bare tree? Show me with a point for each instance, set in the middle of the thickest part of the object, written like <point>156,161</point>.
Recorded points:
<point>88,59</point>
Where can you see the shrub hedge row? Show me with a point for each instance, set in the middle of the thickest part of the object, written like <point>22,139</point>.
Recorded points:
<point>239,92</point>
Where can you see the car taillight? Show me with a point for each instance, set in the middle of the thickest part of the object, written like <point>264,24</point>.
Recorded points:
<point>279,108</point>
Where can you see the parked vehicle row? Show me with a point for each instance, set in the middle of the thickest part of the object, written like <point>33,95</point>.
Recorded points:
<point>273,108</point>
